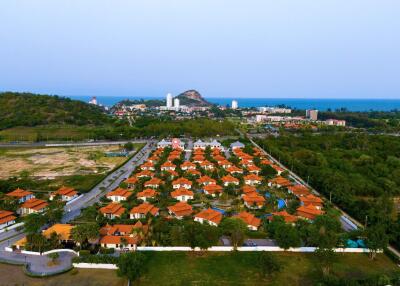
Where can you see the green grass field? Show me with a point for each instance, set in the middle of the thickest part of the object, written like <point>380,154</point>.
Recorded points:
<point>241,269</point>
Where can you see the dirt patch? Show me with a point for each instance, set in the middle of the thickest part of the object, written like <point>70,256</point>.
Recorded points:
<point>50,163</point>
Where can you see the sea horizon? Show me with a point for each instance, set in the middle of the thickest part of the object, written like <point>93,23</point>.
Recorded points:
<point>323,104</point>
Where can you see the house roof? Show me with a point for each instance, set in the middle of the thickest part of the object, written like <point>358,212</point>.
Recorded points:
<point>120,192</point>
<point>253,198</point>
<point>311,199</point>
<point>206,163</point>
<point>145,173</point>
<point>206,179</point>
<point>65,191</point>
<point>309,212</point>
<point>34,204</point>
<point>181,209</point>
<point>182,181</point>
<point>253,168</point>
<point>229,178</point>
<point>253,177</point>
<point>249,219</point>
<point>281,181</point>
<point>120,228</point>
<point>153,182</point>
<point>181,192</point>
<point>116,239</point>
<point>6,216</point>
<point>194,172</point>
<point>211,189</point>
<point>147,165</point>
<point>144,208</point>
<point>147,193</point>
<point>63,230</point>
<point>113,208</point>
<point>19,193</point>
<point>249,189</point>
<point>286,216</point>
<point>210,215</point>
<point>299,190</point>
<point>234,169</point>
<point>188,164</point>
<point>131,180</point>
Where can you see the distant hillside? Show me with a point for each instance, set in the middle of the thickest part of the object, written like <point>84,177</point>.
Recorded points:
<point>27,109</point>
<point>192,98</point>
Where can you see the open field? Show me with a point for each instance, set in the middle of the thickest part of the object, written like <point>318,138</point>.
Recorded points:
<point>178,268</point>
<point>78,167</point>
<point>13,275</point>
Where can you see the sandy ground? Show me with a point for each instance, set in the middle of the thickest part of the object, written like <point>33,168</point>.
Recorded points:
<point>49,163</point>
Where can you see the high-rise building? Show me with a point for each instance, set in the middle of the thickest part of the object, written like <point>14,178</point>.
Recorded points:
<point>234,104</point>
<point>93,101</point>
<point>312,114</point>
<point>176,102</point>
<point>169,100</point>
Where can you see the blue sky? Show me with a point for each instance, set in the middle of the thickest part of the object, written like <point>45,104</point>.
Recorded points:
<point>256,48</point>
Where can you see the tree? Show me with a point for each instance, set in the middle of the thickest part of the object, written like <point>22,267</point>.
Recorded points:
<point>268,263</point>
<point>324,232</point>
<point>287,236</point>
<point>130,265</point>
<point>129,146</point>
<point>326,257</point>
<point>377,239</point>
<point>33,223</point>
<point>53,256</point>
<point>82,233</point>
<point>236,229</point>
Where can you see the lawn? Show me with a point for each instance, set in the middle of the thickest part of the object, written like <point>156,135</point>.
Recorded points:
<point>172,268</point>
<point>13,275</point>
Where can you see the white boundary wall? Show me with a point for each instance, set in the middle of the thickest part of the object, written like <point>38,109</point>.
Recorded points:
<point>9,249</point>
<point>249,248</point>
<point>73,200</point>
<point>95,265</point>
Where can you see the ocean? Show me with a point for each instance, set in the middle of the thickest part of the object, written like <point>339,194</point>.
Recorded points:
<point>295,103</point>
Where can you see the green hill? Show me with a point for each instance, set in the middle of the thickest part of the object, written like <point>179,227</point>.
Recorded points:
<point>27,109</point>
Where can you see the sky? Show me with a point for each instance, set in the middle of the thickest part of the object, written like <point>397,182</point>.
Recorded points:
<point>222,48</point>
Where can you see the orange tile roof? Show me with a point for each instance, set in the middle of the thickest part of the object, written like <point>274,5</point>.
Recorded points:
<point>224,163</point>
<point>253,198</point>
<point>66,191</point>
<point>249,189</point>
<point>34,204</point>
<point>147,193</point>
<point>206,180</point>
<point>153,182</point>
<point>206,163</point>
<point>211,189</point>
<point>277,168</point>
<point>182,181</point>
<point>181,192</point>
<point>286,216</point>
<point>249,219</point>
<point>198,158</point>
<point>234,169</point>
<point>188,164</point>
<point>131,180</point>
<point>116,228</point>
<point>147,165</point>
<point>219,158</point>
<point>253,168</point>
<point>299,190</point>
<point>145,208</point>
<point>145,173</point>
<point>311,200</point>
<point>181,209</point>
<point>194,172</point>
<point>6,216</point>
<point>280,181</point>
<point>19,193</point>
<point>309,212</point>
<point>253,177</point>
<point>119,192</point>
<point>266,162</point>
<point>113,208</point>
<point>230,179</point>
<point>63,230</point>
<point>210,215</point>
<point>116,239</point>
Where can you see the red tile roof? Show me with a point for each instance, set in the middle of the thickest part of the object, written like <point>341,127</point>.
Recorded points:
<point>253,198</point>
<point>253,177</point>
<point>34,204</point>
<point>229,179</point>
<point>211,189</point>
<point>286,216</point>
<point>181,192</point>
<point>145,208</point>
<point>206,180</point>
<point>299,190</point>
<point>181,209</point>
<point>210,215</point>
<point>147,193</point>
<point>309,212</point>
<point>182,181</point>
<point>6,216</point>
<point>249,219</point>
<point>19,193</point>
<point>113,208</point>
<point>116,239</point>
<point>119,192</point>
